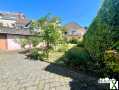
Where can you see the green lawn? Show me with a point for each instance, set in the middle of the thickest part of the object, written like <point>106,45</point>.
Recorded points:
<point>54,56</point>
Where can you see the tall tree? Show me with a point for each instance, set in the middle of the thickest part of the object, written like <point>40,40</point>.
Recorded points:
<point>103,35</point>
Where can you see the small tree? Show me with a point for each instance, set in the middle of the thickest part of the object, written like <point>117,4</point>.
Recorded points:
<point>51,32</point>
<point>34,40</point>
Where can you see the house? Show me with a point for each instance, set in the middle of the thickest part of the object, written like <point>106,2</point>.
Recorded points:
<point>13,20</point>
<point>13,27</point>
<point>74,31</point>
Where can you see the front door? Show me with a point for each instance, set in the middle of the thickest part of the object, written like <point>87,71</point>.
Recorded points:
<point>3,42</point>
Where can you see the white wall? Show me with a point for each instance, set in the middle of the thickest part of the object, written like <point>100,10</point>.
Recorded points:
<point>12,43</point>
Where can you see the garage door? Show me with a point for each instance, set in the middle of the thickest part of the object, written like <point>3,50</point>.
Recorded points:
<point>3,43</point>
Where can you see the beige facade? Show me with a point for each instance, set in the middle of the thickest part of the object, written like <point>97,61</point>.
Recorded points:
<point>74,31</point>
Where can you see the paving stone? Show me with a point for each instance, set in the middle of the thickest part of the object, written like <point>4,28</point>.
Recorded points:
<point>18,73</point>
<point>22,89</point>
<point>3,88</point>
<point>47,87</point>
<point>41,85</point>
<point>32,88</point>
<point>53,89</point>
<point>62,88</point>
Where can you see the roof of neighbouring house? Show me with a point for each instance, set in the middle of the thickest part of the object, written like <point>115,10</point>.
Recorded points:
<point>5,30</point>
<point>72,25</point>
<point>75,26</point>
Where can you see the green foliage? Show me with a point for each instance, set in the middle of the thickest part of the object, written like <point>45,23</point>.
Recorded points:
<point>34,54</point>
<point>98,41</point>
<point>77,56</point>
<point>35,40</point>
<point>116,45</point>
<point>51,32</point>
<point>102,36</point>
<point>80,44</point>
<point>33,25</point>
<point>111,61</point>
<point>37,54</point>
<point>74,41</point>
<point>62,48</point>
<point>23,42</point>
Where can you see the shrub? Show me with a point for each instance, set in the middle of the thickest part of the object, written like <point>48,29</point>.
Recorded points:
<point>35,40</point>
<point>23,42</point>
<point>34,54</point>
<point>37,54</point>
<point>112,63</point>
<point>102,36</point>
<point>80,44</point>
<point>77,56</point>
<point>74,41</point>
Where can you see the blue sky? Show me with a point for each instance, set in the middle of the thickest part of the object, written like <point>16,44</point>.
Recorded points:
<point>80,11</point>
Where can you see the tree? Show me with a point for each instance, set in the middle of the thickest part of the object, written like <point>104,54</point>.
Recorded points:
<point>51,31</point>
<point>101,39</point>
<point>34,40</point>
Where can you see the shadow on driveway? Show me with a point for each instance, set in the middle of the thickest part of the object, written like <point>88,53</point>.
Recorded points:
<point>80,81</point>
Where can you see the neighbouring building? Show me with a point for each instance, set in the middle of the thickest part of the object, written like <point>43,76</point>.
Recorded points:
<point>74,31</point>
<point>13,26</point>
<point>13,20</point>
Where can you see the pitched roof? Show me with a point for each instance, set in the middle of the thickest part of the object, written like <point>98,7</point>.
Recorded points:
<point>75,26</point>
<point>72,25</point>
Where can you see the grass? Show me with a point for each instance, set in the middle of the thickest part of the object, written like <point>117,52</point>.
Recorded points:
<point>54,56</point>
<point>57,56</point>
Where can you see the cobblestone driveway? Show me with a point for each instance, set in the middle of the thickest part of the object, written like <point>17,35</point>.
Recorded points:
<point>18,73</point>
